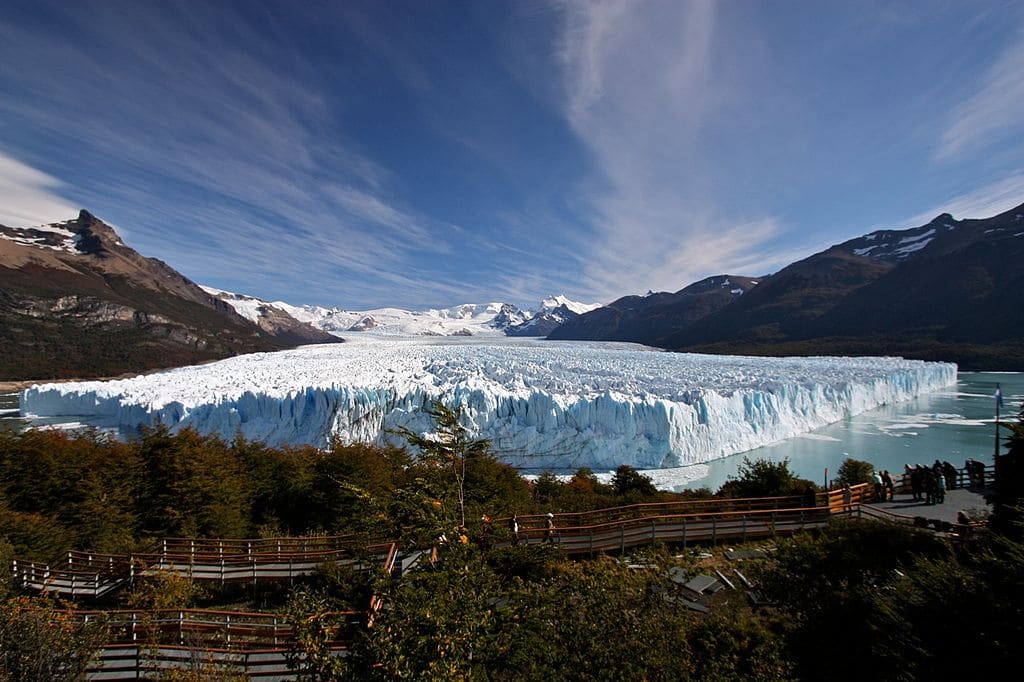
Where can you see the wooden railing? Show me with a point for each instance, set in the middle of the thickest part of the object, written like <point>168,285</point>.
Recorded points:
<point>144,644</point>
<point>139,661</point>
<point>647,509</point>
<point>617,536</point>
<point>206,628</point>
<point>94,574</point>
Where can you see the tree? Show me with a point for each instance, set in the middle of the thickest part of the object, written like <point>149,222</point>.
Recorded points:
<point>448,448</point>
<point>826,583</point>
<point>41,641</point>
<point>627,482</point>
<point>1008,500</point>
<point>763,478</point>
<point>855,472</point>
<point>954,616</point>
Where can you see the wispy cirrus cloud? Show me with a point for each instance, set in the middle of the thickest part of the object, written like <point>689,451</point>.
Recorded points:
<point>983,202</point>
<point>640,90</point>
<point>29,197</point>
<point>237,138</point>
<point>993,113</point>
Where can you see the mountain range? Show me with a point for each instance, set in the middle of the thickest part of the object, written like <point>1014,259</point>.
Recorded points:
<point>75,301</point>
<point>947,290</point>
<point>468,319</point>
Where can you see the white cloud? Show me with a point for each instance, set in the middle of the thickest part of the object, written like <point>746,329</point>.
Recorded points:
<point>994,111</point>
<point>640,91</point>
<point>984,202</point>
<point>29,197</point>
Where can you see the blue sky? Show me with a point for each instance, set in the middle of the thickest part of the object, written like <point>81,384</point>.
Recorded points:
<point>422,154</point>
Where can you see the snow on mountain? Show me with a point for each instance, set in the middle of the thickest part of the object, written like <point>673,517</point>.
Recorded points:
<point>556,302</point>
<point>248,307</point>
<point>468,319</point>
<point>554,311</point>
<point>55,237</point>
<point>543,404</point>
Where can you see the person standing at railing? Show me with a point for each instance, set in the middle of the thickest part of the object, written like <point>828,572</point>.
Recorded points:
<point>949,472</point>
<point>847,497</point>
<point>486,531</point>
<point>940,486</point>
<point>888,488</point>
<point>513,529</point>
<point>549,528</point>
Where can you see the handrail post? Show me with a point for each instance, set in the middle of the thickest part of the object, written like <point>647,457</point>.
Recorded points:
<point>684,533</point>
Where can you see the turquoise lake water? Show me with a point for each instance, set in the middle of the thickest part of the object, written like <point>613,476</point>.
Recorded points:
<point>954,424</point>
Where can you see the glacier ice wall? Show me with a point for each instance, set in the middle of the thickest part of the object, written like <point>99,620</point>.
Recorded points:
<point>543,404</point>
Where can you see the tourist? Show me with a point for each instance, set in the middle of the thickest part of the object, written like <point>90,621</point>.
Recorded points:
<point>949,471</point>
<point>969,471</point>
<point>888,488</point>
<point>916,484</point>
<point>879,486</point>
<point>513,529</point>
<point>486,530</point>
<point>549,528</point>
<point>928,485</point>
<point>847,497</point>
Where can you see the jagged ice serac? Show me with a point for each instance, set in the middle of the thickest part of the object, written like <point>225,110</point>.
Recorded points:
<point>543,404</point>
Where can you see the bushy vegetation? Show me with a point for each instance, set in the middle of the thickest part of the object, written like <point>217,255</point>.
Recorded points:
<point>765,478</point>
<point>855,472</point>
<point>857,599</point>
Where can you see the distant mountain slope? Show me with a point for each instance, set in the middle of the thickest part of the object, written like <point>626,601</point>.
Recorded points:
<point>75,301</point>
<point>272,319</point>
<point>649,319</point>
<point>467,319</point>
<point>950,289</point>
<point>553,312</point>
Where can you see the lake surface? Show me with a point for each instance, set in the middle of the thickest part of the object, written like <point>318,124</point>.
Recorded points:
<point>954,424</point>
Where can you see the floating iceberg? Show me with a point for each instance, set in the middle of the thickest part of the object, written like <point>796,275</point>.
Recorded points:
<point>543,404</point>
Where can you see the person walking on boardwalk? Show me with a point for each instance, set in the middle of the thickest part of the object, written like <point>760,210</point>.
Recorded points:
<point>847,497</point>
<point>549,528</point>
<point>513,529</point>
<point>486,532</point>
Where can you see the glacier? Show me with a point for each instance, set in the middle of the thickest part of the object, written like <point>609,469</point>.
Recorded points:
<point>544,404</point>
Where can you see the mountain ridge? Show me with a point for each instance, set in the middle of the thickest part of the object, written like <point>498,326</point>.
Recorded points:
<point>75,300</point>
<point>945,290</point>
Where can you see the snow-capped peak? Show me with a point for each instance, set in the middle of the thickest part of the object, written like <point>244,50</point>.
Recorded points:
<point>560,301</point>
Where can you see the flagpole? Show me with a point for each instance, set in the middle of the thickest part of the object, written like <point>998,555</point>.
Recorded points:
<point>999,399</point>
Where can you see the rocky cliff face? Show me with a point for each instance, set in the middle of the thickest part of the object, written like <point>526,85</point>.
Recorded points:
<point>75,301</point>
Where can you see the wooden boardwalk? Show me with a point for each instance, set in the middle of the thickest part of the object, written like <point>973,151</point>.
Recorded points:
<point>141,644</point>
<point>221,561</point>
